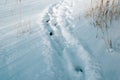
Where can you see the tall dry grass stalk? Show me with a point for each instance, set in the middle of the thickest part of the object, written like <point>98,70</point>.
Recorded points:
<point>103,12</point>
<point>20,23</point>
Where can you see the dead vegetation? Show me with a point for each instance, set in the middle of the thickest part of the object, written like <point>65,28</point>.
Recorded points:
<point>21,25</point>
<point>103,13</point>
<point>20,22</point>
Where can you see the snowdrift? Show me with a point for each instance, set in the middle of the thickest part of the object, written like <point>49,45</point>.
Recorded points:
<point>60,44</point>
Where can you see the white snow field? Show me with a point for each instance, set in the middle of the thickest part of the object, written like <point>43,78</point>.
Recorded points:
<point>54,40</point>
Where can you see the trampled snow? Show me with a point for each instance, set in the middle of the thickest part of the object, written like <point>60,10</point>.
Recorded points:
<point>54,42</point>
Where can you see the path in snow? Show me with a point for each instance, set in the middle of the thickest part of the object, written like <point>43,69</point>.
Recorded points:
<point>59,20</point>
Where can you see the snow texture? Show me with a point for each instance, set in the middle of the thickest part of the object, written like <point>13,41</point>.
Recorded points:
<point>57,43</point>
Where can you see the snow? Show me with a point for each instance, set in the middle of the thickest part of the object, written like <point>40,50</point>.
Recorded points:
<point>72,52</point>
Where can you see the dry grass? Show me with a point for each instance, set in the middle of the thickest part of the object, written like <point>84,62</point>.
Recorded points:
<point>20,22</point>
<point>23,26</point>
<point>103,12</point>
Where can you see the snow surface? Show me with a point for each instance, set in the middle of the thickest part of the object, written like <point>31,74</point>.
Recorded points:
<point>72,52</point>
